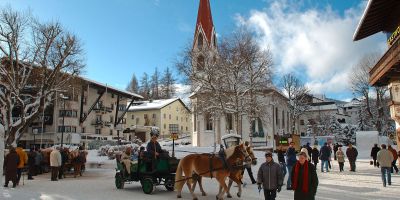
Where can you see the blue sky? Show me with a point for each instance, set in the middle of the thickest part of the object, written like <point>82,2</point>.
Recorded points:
<point>122,37</point>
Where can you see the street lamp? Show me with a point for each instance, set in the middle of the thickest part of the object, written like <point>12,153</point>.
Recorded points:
<point>63,118</point>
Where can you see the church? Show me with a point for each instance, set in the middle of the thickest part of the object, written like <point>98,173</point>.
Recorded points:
<point>208,130</point>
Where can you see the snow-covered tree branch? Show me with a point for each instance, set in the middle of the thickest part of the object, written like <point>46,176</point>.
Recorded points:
<point>37,60</point>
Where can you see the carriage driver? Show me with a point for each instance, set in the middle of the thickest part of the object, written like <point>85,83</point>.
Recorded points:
<point>153,147</point>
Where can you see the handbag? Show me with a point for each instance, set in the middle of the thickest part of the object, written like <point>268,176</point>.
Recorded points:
<point>371,162</point>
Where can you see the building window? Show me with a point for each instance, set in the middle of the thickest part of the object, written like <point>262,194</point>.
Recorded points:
<point>37,130</point>
<point>208,122</point>
<point>112,96</point>
<point>165,126</point>
<point>283,119</point>
<point>68,113</point>
<point>186,128</point>
<point>111,118</point>
<point>112,106</point>
<point>276,116</point>
<point>145,116</point>
<point>111,132</point>
<point>229,121</point>
<point>137,121</point>
<point>181,119</point>
<point>98,118</point>
<point>200,63</point>
<point>133,117</point>
<point>83,130</point>
<point>169,116</point>
<point>302,122</point>
<point>177,118</point>
<point>165,116</point>
<point>67,129</point>
<point>154,116</point>
<point>98,131</point>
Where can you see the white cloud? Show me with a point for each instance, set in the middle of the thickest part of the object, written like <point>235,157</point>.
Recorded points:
<point>315,43</point>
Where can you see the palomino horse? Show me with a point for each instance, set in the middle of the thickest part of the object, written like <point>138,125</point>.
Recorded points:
<point>206,165</point>
<point>78,160</point>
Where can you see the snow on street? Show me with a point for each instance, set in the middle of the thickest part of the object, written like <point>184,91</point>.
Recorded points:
<point>98,183</point>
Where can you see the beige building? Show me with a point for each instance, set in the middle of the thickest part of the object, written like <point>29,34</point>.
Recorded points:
<point>169,115</point>
<point>88,111</point>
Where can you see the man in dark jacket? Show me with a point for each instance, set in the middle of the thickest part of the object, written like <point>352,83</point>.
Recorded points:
<point>281,160</point>
<point>64,159</point>
<point>270,177</point>
<point>374,153</point>
<point>315,156</point>
<point>290,161</point>
<point>10,165</point>
<point>325,155</point>
<point>304,179</point>
<point>309,149</point>
<point>153,147</point>
<point>352,154</point>
<point>31,164</point>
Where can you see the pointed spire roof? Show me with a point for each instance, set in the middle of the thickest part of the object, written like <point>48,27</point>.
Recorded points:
<point>204,19</point>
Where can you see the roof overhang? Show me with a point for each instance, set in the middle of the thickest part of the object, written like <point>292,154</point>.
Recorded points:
<point>375,18</point>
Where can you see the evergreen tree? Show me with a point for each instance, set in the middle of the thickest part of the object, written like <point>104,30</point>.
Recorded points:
<point>145,86</point>
<point>133,85</point>
<point>168,84</point>
<point>155,84</point>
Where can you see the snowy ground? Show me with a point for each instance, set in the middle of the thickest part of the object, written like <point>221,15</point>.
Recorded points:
<point>98,183</point>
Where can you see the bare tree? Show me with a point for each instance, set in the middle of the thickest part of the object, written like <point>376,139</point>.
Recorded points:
<point>168,84</point>
<point>297,94</point>
<point>37,60</point>
<point>233,80</point>
<point>133,85</point>
<point>375,109</point>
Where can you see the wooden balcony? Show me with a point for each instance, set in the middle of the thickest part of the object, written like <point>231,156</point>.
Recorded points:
<point>388,67</point>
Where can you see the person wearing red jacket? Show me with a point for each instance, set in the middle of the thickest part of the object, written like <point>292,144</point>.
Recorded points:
<point>393,151</point>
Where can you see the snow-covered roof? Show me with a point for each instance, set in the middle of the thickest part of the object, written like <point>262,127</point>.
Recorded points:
<point>324,107</point>
<point>230,135</point>
<point>353,103</point>
<point>112,88</point>
<point>153,105</point>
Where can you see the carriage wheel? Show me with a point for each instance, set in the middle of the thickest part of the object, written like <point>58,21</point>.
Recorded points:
<point>170,184</point>
<point>147,185</point>
<point>119,181</point>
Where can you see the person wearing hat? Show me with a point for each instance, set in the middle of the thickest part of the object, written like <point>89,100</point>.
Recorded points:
<point>304,179</point>
<point>153,147</point>
<point>270,177</point>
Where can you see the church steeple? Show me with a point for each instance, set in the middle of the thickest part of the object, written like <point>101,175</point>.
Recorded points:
<point>205,32</point>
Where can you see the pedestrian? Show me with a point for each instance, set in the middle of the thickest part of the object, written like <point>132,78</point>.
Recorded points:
<point>290,162</point>
<point>270,177</point>
<point>340,158</point>
<point>394,152</point>
<point>64,159</point>
<point>325,154</point>
<point>329,160</point>
<point>31,164</point>
<point>38,160</point>
<point>55,163</point>
<point>248,167</point>
<point>304,179</point>
<point>315,156</point>
<point>335,149</point>
<point>11,162</point>
<point>385,158</point>
<point>309,149</point>
<point>374,152</point>
<point>23,160</point>
<point>352,154</point>
<point>281,160</point>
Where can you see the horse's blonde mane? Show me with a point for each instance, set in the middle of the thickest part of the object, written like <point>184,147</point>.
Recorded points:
<point>229,151</point>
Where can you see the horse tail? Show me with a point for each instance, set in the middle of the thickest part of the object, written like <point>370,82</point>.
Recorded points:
<point>179,178</point>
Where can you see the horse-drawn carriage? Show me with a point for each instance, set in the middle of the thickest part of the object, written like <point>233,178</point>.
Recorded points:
<point>148,171</point>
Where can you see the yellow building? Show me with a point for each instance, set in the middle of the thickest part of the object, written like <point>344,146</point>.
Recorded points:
<point>169,115</point>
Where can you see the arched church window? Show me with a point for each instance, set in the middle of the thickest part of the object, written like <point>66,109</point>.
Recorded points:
<point>200,62</point>
<point>200,42</point>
